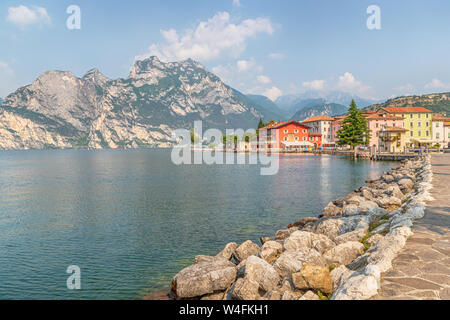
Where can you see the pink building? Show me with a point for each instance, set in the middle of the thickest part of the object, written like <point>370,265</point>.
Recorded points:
<point>377,120</point>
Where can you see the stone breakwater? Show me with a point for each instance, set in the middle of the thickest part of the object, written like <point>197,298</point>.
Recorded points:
<point>339,255</point>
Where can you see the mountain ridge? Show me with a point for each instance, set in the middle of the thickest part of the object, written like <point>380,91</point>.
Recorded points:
<point>60,110</point>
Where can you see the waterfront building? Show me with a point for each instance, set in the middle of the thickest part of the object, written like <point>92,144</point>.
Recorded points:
<point>288,135</point>
<point>447,134</point>
<point>376,121</point>
<point>439,135</point>
<point>322,125</point>
<point>418,124</point>
<point>392,139</point>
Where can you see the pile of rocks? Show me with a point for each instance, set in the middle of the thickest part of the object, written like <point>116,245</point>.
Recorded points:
<point>338,255</point>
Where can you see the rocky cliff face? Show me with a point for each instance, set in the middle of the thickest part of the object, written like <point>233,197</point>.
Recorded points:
<point>60,110</point>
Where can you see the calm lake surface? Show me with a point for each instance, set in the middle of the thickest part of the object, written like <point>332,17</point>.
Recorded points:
<point>132,219</point>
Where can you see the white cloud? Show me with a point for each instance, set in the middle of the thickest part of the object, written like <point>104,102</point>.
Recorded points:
<point>263,79</point>
<point>348,83</point>
<point>314,85</point>
<point>276,56</point>
<point>273,93</point>
<point>437,84</point>
<point>210,39</point>
<point>237,3</point>
<point>245,65</point>
<point>23,16</point>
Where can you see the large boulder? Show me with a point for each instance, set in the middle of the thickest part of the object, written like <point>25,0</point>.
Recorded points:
<point>357,287</point>
<point>329,227</point>
<point>270,250</point>
<point>245,250</point>
<point>305,239</point>
<point>245,289</point>
<point>310,295</point>
<point>290,262</point>
<point>302,222</point>
<point>284,233</point>
<point>389,203</point>
<point>203,278</point>
<point>394,191</point>
<point>344,253</point>
<point>313,277</point>
<point>356,235</point>
<point>335,227</point>
<point>406,185</point>
<point>339,275</point>
<point>228,251</point>
<point>262,273</point>
<point>331,210</point>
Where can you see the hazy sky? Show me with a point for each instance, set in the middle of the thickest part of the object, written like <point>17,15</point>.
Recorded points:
<point>256,46</point>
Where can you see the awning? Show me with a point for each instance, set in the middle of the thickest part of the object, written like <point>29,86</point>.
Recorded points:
<point>297,143</point>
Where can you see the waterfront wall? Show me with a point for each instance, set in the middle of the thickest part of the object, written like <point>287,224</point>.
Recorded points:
<point>338,255</point>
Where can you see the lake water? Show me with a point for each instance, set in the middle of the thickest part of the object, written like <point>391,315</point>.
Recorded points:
<point>131,219</point>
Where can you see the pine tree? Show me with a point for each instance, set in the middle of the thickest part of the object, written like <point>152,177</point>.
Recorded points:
<point>260,124</point>
<point>354,131</point>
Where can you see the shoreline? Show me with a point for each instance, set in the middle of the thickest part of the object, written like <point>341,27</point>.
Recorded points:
<point>349,244</point>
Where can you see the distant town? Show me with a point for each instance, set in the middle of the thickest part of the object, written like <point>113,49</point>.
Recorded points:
<point>392,130</point>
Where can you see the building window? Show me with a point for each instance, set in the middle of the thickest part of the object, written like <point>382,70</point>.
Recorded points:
<point>427,133</point>
<point>427,115</point>
<point>285,138</point>
<point>419,115</point>
<point>304,138</point>
<point>304,130</point>
<point>296,131</point>
<point>376,125</point>
<point>411,124</point>
<point>411,133</point>
<point>426,124</point>
<point>411,115</point>
<point>317,139</point>
<point>419,133</point>
<point>419,124</point>
<point>311,138</point>
<point>296,138</point>
<point>285,131</point>
<point>437,135</point>
<point>437,124</point>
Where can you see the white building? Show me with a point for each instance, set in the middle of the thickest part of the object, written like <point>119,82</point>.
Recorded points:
<point>439,130</point>
<point>322,125</point>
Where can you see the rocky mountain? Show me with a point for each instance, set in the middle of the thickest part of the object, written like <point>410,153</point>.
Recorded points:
<point>436,102</point>
<point>60,110</point>
<point>268,108</point>
<point>328,109</point>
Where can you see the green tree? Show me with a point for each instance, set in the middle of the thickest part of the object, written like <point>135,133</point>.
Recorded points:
<point>194,137</point>
<point>354,131</point>
<point>260,124</point>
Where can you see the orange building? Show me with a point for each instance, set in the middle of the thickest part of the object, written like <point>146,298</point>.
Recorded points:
<point>288,135</point>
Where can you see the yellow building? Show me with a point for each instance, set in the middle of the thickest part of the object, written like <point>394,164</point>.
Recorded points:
<point>418,124</point>
<point>392,139</point>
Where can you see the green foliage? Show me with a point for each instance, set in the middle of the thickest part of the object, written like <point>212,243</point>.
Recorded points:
<point>194,137</point>
<point>260,124</point>
<point>354,131</point>
<point>323,296</point>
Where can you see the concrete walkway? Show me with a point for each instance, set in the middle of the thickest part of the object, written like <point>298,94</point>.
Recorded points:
<point>422,269</point>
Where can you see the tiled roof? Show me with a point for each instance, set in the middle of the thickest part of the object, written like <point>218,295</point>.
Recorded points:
<point>408,110</point>
<point>319,118</point>
<point>280,124</point>
<point>440,117</point>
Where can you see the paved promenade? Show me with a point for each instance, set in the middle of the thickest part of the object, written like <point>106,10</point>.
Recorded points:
<point>422,269</point>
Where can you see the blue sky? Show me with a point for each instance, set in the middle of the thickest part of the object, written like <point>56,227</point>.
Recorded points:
<point>256,46</point>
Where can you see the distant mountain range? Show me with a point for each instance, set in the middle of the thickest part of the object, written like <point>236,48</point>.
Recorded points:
<point>328,109</point>
<point>308,104</point>
<point>60,110</point>
<point>436,102</point>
